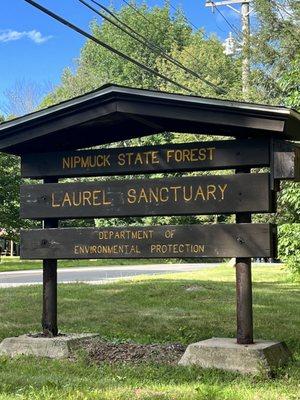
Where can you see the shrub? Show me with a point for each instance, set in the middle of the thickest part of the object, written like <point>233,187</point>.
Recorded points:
<point>289,246</point>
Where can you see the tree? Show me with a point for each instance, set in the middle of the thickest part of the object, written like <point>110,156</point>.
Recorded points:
<point>275,48</point>
<point>24,97</point>
<point>97,66</point>
<point>9,194</point>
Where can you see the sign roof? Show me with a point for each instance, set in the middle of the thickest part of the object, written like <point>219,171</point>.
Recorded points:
<point>113,113</point>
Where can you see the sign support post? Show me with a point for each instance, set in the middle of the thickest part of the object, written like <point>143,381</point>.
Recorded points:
<point>49,317</point>
<point>244,287</point>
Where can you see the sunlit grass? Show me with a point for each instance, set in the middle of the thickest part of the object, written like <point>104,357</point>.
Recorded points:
<point>146,310</point>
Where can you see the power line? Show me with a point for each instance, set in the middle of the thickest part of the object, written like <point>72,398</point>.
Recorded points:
<point>105,45</point>
<point>188,20</point>
<point>152,23</point>
<point>146,42</point>
<point>233,27</point>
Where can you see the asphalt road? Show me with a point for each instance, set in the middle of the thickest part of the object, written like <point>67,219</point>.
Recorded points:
<point>95,275</point>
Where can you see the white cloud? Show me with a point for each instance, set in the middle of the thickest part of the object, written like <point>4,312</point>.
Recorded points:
<point>9,35</point>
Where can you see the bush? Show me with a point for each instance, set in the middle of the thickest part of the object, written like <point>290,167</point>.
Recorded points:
<point>289,246</point>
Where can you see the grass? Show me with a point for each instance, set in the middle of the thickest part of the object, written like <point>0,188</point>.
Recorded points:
<point>146,310</point>
<point>15,264</point>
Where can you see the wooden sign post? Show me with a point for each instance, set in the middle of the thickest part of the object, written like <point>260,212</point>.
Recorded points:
<point>49,314</point>
<point>244,287</point>
<point>248,174</point>
<point>241,194</point>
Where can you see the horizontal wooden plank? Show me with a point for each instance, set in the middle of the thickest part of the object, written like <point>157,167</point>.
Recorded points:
<point>209,194</point>
<point>193,241</point>
<point>224,154</point>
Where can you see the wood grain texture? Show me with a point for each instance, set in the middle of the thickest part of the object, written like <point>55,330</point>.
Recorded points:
<point>285,161</point>
<point>214,155</point>
<point>209,194</point>
<point>193,241</point>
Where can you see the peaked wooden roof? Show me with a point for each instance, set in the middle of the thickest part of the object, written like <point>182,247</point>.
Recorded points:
<point>113,113</point>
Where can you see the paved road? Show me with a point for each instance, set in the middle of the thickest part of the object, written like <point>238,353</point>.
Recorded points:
<point>95,275</point>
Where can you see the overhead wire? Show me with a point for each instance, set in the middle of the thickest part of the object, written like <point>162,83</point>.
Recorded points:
<point>156,25</point>
<point>150,22</point>
<point>146,42</point>
<point>105,45</point>
<point>233,27</point>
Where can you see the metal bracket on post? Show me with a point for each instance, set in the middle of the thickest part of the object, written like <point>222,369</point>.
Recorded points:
<point>244,287</point>
<point>49,317</point>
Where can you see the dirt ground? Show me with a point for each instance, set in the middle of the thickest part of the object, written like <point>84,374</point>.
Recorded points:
<point>99,351</point>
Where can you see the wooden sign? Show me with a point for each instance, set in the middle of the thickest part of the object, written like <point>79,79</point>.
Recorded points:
<point>223,154</point>
<point>209,194</point>
<point>285,164</point>
<point>193,241</point>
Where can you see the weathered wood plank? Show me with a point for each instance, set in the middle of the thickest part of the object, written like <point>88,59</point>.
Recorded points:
<point>209,194</point>
<point>193,241</point>
<point>285,161</point>
<point>223,154</point>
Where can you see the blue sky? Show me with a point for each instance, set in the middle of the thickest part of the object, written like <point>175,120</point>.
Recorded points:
<point>33,47</point>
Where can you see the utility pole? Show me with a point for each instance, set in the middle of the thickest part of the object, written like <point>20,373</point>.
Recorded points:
<point>244,12</point>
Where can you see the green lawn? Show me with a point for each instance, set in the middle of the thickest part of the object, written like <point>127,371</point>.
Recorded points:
<point>153,309</point>
<point>15,264</point>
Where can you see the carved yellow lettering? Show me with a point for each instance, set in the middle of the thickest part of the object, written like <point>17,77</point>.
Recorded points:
<point>85,162</point>
<point>78,203</point>
<point>199,193</point>
<point>170,154</point>
<point>175,190</point>
<point>96,194</point>
<point>129,157</point>
<point>194,156</point>
<point>154,157</point>
<point>86,198</point>
<point>178,155</point>
<point>76,161</point>
<point>106,161</point>
<point>131,196</point>
<point>187,193</point>
<point>202,154</point>
<point>223,188</point>
<point>121,159</point>
<point>211,152</point>
<point>211,189</point>
<point>105,200</point>
<point>143,196</point>
<point>67,200</point>
<point>66,162</point>
<point>186,155</point>
<point>53,204</point>
<point>164,194</point>
<point>154,195</point>
<point>138,159</point>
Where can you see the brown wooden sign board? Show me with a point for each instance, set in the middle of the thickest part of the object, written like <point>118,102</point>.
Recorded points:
<point>285,163</point>
<point>209,194</point>
<point>193,241</point>
<point>214,155</point>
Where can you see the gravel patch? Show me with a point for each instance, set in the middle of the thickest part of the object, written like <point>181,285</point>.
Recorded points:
<point>100,351</point>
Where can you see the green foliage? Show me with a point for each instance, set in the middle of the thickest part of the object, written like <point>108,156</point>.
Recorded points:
<point>275,48</point>
<point>207,59</point>
<point>289,246</point>
<point>275,79</point>
<point>290,84</point>
<point>97,66</point>
<point>289,203</point>
<point>9,194</point>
